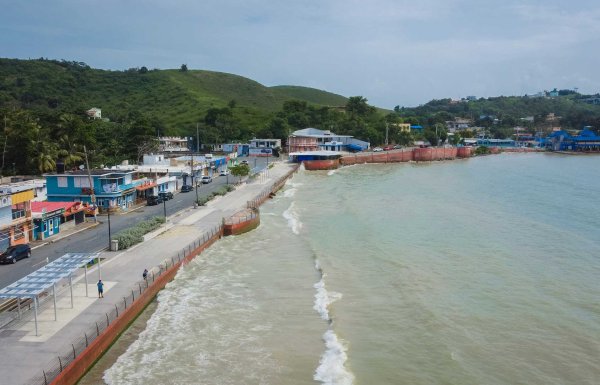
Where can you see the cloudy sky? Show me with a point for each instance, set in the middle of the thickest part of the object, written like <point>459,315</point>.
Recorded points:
<point>393,52</point>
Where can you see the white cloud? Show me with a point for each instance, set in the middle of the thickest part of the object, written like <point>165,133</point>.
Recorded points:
<point>392,52</point>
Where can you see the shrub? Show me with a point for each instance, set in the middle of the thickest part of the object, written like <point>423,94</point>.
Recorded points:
<point>135,234</point>
<point>482,150</point>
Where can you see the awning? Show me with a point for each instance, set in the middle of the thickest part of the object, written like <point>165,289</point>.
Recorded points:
<point>145,186</point>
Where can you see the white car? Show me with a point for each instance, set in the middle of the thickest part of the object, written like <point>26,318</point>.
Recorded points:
<point>223,172</point>
<point>206,179</point>
<point>377,149</point>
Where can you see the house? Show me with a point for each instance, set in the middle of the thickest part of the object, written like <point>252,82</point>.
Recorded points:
<point>402,127</point>
<point>15,215</point>
<point>172,144</point>
<point>313,139</point>
<point>94,113</point>
<point>112,189</point>
<point>457,124</point>
<point>50,217</point>
<point>264,147</point>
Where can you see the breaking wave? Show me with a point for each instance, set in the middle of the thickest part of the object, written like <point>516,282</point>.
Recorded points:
<point>293,220</point>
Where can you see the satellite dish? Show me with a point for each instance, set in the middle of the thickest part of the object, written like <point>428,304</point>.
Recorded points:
<point>81,167</point>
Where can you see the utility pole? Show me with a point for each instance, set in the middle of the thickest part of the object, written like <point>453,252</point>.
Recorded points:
<point>92,192</point>
<point>197,138</point>
<point>4,149</point>
<point>386,133</point>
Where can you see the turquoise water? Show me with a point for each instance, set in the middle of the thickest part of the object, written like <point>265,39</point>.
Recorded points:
<point>483,271</point>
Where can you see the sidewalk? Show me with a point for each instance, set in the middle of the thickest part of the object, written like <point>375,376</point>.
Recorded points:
<point>120,271</point>
<point>66,233</point>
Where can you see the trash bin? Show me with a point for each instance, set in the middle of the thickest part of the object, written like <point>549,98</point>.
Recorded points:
<point>114,244</point>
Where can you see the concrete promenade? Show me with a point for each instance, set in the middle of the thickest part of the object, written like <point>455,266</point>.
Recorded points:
<point>25,355</point>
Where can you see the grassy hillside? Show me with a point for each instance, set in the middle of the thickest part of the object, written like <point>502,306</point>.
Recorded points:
<point>178,99</point>
<point>310,95</point>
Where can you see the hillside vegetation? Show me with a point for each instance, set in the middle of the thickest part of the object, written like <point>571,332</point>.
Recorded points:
<point>43,104</point>
<point>179,99</point>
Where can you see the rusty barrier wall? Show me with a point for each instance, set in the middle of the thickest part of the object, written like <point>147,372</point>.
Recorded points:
<point>76,358</point>
<point>266,194</point>
<point>416,154</point>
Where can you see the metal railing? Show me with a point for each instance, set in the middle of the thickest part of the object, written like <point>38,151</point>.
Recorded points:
<point>70,351</point>
<point>233,220</point>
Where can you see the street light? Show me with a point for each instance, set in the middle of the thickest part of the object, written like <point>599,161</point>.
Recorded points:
<point>108,211</point>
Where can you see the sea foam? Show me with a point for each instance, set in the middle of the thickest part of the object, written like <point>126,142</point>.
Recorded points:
<point>323,299</point>
<point>292,217</point>
<point>332,369</point>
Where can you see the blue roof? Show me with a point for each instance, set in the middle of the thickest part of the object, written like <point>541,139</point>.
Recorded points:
<point>418,127</point>
<point>354,147</point>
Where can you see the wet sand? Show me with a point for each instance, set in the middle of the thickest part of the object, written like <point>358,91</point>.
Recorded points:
<point>95,374</point>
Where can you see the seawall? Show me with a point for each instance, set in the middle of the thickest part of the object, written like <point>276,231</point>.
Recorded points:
<point>407,155</point>
<point>106,334</point>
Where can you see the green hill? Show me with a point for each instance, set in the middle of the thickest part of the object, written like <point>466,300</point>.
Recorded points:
<point>310,95</point>
<point>179,99</point>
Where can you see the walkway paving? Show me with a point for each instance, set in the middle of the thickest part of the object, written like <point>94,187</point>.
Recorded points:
<point>27,353</point>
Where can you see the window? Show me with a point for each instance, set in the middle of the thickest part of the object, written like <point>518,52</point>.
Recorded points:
<point>62,181</point>
<point>82,181</point>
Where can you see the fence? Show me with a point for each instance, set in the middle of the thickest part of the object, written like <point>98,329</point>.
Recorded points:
<point>71,352</point>
<point>134,300</point>
<point>265,194</point>
<point>235,219</point>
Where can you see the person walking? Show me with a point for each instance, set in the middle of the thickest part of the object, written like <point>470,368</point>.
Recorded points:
<point>100,285</point>
<point>145,274</point>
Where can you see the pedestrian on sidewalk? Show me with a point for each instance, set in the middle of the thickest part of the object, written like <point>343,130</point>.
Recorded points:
<point>100,285</point>
<point>145,274</point>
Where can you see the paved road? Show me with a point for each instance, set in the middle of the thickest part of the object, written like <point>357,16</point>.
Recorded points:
<point>96,239</point>
<point>30,353</point>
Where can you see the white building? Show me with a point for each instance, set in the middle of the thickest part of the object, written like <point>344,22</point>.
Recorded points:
<point>263,147</point>
<point>94,113</point>
<point>172,144</point>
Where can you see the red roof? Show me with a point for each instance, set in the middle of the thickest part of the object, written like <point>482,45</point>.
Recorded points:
<point>38,207</point>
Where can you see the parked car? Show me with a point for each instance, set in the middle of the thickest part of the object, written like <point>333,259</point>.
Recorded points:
<point>206,179</point>
<point>388,148</point>
<point>224,173</point>
<point>153,200</point>
<point>396,147</point>
<point>244,162</point>
<point>166,195</point>
<point>186,188</point>
<point>377,149</point>
<point>14,253</point>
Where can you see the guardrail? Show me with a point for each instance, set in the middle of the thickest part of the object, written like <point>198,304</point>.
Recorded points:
<point>265,194</point>
<point>72,351</point>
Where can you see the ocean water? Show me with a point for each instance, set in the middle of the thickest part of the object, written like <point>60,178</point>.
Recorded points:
<point>482,271</point>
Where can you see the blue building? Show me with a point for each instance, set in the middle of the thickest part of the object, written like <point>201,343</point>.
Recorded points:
<point>585,141</point>
<point>112,188</point>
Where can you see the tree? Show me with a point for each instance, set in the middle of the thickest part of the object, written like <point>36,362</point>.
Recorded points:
<point>357,106</point>
<point>183,68</point>
<point>240,170</point>
<point>143,70</point>
<point>404,138</point>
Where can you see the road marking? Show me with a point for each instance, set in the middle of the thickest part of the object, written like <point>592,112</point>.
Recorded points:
<point>37,264</point>
<point>179,201</point>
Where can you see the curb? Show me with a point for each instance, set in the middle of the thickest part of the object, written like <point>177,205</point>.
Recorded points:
<point>65,236</point>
